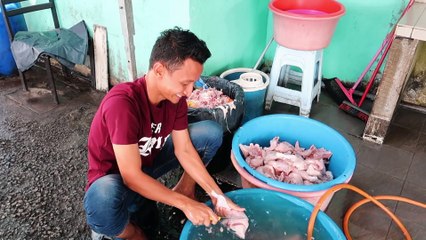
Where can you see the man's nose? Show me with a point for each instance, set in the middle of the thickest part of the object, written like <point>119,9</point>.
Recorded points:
<point>188,90</point>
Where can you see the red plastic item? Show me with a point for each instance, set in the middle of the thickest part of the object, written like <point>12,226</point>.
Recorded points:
<point>382,52</point>
<point>305,24</point>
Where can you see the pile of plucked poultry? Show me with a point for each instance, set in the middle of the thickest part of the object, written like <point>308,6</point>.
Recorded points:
<point>287,163</point>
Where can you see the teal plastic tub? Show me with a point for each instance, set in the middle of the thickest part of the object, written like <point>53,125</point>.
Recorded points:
<point>272,215</point>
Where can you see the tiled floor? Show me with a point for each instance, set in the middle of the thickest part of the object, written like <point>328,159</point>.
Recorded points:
<point>396,168</point>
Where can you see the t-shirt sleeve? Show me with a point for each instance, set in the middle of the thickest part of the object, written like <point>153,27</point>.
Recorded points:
<point>181,121</point>
<point>121,120</point>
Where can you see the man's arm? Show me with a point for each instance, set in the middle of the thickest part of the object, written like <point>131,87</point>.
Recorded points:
<point>193,165</point>
<point>130,165</point>
<point>191,161</point>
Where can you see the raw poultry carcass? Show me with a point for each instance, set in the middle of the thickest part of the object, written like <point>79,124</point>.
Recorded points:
<point>287,163</point>
<point>207,98</point>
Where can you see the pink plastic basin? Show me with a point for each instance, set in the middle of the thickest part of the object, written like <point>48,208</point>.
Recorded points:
<point>306,11</point>
<point>248,181</point>
<point>305,24</point>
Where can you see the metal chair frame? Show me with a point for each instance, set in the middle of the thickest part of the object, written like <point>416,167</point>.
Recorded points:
<point>43,57</point>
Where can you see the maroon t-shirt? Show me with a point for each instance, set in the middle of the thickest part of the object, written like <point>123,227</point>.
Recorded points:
<point>125,116</point>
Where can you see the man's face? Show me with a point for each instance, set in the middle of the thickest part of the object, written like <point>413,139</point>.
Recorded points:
<point>180,82</point>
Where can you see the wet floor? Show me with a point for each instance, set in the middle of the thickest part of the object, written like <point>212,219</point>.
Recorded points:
<point>395,168</point>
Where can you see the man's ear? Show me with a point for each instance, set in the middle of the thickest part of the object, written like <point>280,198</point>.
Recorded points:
<point>159,69</point>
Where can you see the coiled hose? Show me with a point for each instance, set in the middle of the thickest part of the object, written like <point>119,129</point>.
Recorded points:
<point>368,198</point>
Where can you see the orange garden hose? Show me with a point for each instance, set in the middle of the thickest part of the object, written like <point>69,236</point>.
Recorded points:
<point>368,198</point>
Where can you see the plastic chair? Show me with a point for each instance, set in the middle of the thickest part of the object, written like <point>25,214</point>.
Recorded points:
<point>310,62</point>
<point>45,58</point>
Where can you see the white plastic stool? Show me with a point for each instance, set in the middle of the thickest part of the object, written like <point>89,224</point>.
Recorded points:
<point>310,62</point>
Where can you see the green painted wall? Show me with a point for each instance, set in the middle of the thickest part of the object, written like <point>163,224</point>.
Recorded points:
<point>93,12</point>
<point>151,17</point>
<point>359,35</point>
<point>235,31</point>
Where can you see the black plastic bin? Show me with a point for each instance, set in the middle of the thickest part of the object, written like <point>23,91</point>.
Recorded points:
<point>229,120</point>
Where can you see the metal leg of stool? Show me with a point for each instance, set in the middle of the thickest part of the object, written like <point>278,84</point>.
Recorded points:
<point>23,81</point>
<point>51,80</point>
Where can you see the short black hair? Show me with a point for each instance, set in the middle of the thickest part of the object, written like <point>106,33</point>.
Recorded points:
<point>176,45</point>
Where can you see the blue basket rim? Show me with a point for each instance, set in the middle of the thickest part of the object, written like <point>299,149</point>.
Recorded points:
<point>327,222</point>
<point>342,178</point>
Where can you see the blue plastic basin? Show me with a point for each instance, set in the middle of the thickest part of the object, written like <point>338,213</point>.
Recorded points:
<point>292,128</point>
<point>273,215</point>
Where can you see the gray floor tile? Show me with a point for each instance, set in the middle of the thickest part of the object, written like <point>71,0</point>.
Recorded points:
<point>421,144</point>
<point>386,159</point>
<point>409,119</point>
<point>367,222</point>
<point>278,107</point>
<point>413,217</point>
<point>339,120</point>
<point>416,173</point>
<point>325,99</point>
<point>354,141</point>
<point>402,137</point>
<point>328,112</point>
<point>229,176</point>
<point>381,170</point>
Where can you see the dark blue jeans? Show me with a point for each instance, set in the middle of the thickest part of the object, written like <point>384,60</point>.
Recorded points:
<point>109,204</point>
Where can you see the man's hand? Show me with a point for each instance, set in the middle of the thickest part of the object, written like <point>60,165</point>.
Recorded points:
<point>223,203</point>
<point>199,213</point>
